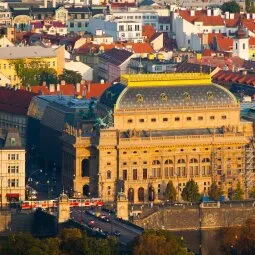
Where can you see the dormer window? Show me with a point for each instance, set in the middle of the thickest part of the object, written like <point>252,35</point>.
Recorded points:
<point>13,141</point>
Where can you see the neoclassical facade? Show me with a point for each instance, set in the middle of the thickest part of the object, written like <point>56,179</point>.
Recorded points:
<point>152,128</point>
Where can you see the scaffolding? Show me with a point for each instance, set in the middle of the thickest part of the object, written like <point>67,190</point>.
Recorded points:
<point>249,167</point>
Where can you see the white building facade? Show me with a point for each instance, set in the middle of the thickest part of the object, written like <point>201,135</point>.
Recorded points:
<point>120,30</point>
<point>12,167</point>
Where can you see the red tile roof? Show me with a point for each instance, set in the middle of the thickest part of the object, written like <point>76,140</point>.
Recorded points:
<point>238,77</point>
<point>87,90</point>
<point>249,24</point>
<point>15,101</point>
<point>148,31</point>
<point>135,47</point>
<point>252,41</point>
<point>122,5</point>
<point>224,43</point>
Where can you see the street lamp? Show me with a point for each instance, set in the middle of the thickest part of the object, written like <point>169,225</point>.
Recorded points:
<point>48,182</point>
<point>1,178</point>
<point>38,170</point>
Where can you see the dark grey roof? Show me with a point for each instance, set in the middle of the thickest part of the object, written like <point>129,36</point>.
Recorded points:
<point>116,56</point>
<point>178,132</point>
<point>10,139</point>
<point>174,96</point>
<point>43,10</point>
<point>110,95</point>
<point>79,10</point>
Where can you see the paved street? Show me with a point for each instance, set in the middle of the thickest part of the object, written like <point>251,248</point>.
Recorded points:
<point>127,234</point>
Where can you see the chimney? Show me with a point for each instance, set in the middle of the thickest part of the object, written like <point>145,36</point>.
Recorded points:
<point>247,15</point>
<point>209,12</point>
<point>18,86</point>
<point>82,82</point>
<point>44,83</point>
<point>89,87</point>
<point>226,15</point>
<point>62,82</point>
<point>231,15</point>
<point>58,87</point>
<point>253,15</point>
<point>45,3</point>
<point>52,88</point>
<point>54,3</point>
<point>215,12</point>
<point>78,87</point>
<point>192,13</point>
<point>102,81</point>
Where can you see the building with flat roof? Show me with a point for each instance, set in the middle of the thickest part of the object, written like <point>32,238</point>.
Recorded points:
<point>49,57</point>
<point>153,128</point>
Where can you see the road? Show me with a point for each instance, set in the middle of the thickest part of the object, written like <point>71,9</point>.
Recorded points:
<point>127,234</point>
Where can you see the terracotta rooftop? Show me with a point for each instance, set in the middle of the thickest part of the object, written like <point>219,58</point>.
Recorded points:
<point>88,90</point>
<point>148,31</point>
<point>95,48</point>
<point>15,101</point>
<point>235,77</point>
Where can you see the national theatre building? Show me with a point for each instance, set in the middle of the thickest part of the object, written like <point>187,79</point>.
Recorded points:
<point>152,128</point>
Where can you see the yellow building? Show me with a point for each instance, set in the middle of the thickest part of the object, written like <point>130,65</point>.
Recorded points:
<point>155,128</point>
<point>53,58</point>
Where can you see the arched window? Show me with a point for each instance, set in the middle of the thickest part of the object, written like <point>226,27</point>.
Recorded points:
<point>141,194</point>
<point>108,174</point>
<point>169,168</point>
<point>131,195</point>
<point>86,190</point>
<point>156,169</point>
<point>85,168</point>
<point>193,160</point>
<point>151,193</point>
<point>156,162</point>
<point>181,161</point>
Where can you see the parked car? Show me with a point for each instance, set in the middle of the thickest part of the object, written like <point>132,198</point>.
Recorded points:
<point>117,233</point>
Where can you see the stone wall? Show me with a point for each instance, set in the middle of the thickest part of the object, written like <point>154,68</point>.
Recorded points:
<point>15,222</point>
<point>194,218</point>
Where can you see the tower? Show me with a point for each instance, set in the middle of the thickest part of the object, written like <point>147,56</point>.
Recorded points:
<point>241,43</point>
<point>63,208</point>
<point>122,206</point>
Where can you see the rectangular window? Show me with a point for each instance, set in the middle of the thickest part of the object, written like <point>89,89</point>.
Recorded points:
<point>200,118</point>
<point>145,173</point>
<point>12,156</point>
<point>134,174</point>
<point>124,175</point>
<point>177,118</point>
<point>189,118</point>
<point>223,117</point>
<point>121,28</point>
<point>130,28</point>
<point>137,27</point>
<point>79,24</point>
<point>212,117</point>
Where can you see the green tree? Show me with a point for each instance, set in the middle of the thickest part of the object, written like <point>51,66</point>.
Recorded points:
<point>191,192</point>
<point>26,244</point>
<point>238,193</point>
<point>238,240</point>
<point>34,72</point>
<point>249,6</point>
<point>70,77</point>
<point>215,192</point>
<point>232,7</point>
<point>49,76</point>
<point>154,242</point>
<point>170,192</point>
<point>252,192</point>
